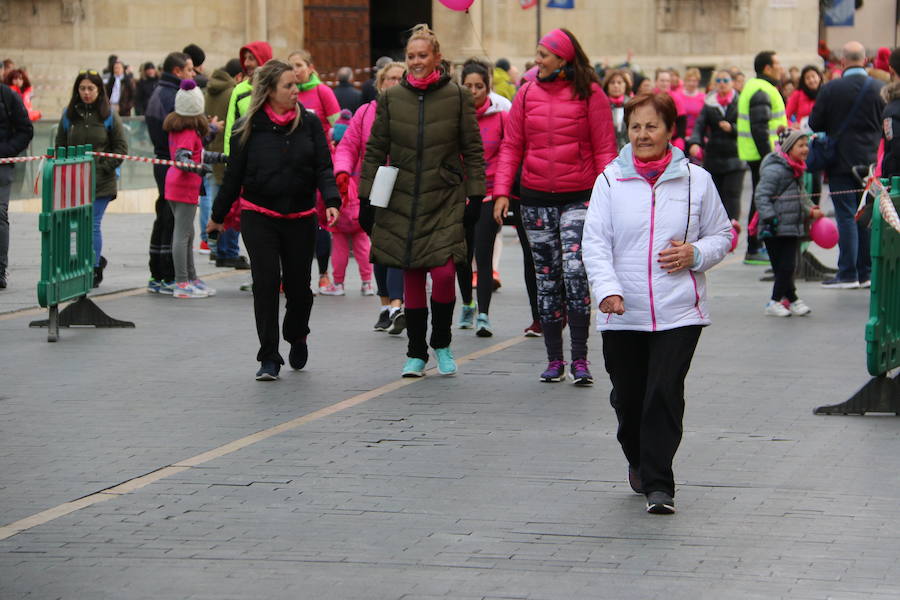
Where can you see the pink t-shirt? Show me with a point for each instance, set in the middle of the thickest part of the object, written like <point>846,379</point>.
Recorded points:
<point>323,102</point>
<point>183,186</point>
<point>689,106</point>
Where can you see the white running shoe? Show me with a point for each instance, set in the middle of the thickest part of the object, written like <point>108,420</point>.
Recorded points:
<point>777,309</point>
<point>799,308</point>
<point>186,289</point>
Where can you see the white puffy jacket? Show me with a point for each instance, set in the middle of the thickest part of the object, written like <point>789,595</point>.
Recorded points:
<point>629,223</point>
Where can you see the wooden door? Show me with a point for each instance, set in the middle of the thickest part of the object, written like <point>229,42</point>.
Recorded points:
<point>336,32</point>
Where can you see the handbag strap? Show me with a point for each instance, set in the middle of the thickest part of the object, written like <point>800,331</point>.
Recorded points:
<point>853,109</point>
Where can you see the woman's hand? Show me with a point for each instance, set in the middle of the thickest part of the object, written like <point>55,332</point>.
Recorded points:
<point>612,304</point>
<point>331,215</point>
<point>816,213</point>
<point>725,126</point>
<point>501,207</point>
<point>213,226</point>
<point>679,256</point>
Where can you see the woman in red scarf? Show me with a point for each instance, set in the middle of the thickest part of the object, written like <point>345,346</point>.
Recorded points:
<point>617,86</point>
<point>714,141</point>
<point>560,132</point>
<point>654,226</point>
<point>279,159</point>
<point>426,128</point>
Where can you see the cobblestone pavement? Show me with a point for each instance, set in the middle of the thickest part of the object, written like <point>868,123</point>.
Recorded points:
<point>486,485</point>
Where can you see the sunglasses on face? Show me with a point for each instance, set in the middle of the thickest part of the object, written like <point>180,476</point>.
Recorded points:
<point>720,80</point>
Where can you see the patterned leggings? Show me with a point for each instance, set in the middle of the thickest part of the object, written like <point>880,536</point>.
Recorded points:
<point>554,233</point>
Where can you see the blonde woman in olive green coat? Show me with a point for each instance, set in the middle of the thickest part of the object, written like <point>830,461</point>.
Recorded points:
<point>426,127</point>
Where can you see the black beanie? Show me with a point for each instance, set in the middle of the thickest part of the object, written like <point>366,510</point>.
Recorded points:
<point>196,53</point>
<point>233,67</point>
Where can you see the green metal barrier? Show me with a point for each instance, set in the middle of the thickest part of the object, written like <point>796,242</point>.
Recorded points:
<point>67,251</point>
<point>883,328</point>
<point>882,392</point>
<point>67,254</point>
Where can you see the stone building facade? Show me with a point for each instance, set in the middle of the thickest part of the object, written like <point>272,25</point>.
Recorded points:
<point>54,39</point>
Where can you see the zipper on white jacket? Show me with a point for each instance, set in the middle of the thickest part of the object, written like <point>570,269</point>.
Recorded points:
<point>650,254</point>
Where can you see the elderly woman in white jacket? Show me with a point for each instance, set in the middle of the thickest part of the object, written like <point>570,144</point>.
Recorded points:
<point>654,225</point>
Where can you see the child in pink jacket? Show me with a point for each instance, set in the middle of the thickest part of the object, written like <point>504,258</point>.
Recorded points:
<point>348,158</point>
<point>186,127</point>
<point>346,232</point>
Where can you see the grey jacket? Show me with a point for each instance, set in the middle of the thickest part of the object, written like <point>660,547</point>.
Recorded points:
<point>780,194</point>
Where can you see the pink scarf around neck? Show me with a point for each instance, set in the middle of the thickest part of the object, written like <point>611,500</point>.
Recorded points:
<point>422,84</point>
<point>652,169</point>
<point>726,99</point>
<point>282,120</point>
<point>798,166</point>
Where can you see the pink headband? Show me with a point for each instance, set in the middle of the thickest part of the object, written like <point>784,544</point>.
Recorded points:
<point>559,44</point>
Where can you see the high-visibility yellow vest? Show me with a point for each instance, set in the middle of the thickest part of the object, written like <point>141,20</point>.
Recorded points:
<point>746,146</point>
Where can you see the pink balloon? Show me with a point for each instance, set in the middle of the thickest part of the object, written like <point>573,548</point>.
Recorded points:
<point>459,5</point>
<point>824,232</point>
<point>734,239</point>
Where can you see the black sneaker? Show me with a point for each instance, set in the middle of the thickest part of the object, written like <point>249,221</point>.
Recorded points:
<point>98,272</point>
<point>660,503</point>
<point>299,355</point>
<point>384,321</point>
<point>838,284</point>
<point>398,323</point>
<point>268,371</point>
<point>236,262</point>
<point>2,280</point>
<point>634,480</point>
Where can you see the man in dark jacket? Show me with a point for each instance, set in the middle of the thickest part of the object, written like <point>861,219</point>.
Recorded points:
<point>16,132</point>
<point>176,67</point>
<point>857,146</point>
<point>890,125</point>
<point>198,57</point>
<point>347,96</point>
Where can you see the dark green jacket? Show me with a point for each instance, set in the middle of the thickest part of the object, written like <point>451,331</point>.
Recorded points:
<point>86,127</point>
<point>218,93</point>
<point>432,137</point>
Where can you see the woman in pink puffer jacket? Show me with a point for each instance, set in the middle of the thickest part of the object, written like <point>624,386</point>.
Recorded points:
<point>348,158</point>
<point>560,131</point>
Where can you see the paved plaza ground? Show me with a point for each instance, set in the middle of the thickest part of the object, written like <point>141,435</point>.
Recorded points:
<point>344,481</point>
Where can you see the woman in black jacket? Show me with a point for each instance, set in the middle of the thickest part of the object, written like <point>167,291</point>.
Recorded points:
<point>144,87</point>
<point>279,158</point>
<point>715,133</point>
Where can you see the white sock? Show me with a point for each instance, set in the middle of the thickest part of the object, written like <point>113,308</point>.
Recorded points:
<point>394,310</point>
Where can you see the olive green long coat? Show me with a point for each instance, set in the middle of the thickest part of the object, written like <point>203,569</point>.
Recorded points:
<point>432,137</point>
<point>87,128</point>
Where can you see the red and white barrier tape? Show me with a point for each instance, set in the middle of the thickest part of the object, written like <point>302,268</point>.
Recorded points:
<point>20,159</point>
<point>885,204</point>
<point>144,159</point>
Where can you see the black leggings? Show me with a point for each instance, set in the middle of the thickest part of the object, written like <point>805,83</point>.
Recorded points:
<point>730,185</point>
<point>480,245</point>
<point>323,249</point>
<point>783,256</point>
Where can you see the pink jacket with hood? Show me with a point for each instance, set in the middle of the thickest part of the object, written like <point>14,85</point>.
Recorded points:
<point>492,124</point>
<point>348,158</point>
<point>562,142</point>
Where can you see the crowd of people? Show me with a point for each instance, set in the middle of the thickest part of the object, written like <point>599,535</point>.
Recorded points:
<point>623,189</point>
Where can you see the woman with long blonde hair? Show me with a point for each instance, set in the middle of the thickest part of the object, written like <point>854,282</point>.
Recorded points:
<point>279,159</point>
